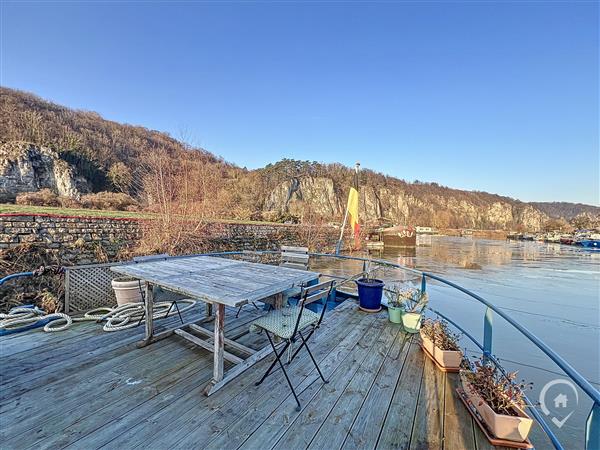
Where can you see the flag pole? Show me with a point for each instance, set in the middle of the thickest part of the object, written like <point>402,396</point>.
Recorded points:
<point>338,246</point>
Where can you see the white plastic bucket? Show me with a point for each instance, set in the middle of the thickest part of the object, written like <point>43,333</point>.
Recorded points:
<point>127,290</point>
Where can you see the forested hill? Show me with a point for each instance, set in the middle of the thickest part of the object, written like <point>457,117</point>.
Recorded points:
<point>45,145</point>
<point>565,209</point>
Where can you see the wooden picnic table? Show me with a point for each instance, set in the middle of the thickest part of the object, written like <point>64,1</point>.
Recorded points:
<point>220,282</point>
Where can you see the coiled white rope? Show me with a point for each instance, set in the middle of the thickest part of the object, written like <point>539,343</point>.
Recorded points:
<point>122,317</point>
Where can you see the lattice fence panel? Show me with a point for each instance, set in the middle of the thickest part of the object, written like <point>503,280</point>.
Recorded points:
<point>89,287</point>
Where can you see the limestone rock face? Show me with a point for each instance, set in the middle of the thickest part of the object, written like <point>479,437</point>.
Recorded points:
<point>395,205</point>
<point>530,218</point>
<point>499,214</point>
<point>295,195</point>
<point>25,167</point>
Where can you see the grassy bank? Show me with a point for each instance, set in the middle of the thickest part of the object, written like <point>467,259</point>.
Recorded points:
<point>79,212</point>
<point>7,208</point>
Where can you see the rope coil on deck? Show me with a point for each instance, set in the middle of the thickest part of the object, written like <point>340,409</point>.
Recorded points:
<point>119,318</point>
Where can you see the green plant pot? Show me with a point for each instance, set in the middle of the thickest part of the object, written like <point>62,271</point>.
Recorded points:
<point>395,314</point>
<point>411,322</point>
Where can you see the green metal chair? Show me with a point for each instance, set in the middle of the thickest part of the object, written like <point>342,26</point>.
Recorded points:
<point>290,322</point>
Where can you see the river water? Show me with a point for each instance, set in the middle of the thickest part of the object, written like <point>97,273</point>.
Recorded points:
<point>551,289</point>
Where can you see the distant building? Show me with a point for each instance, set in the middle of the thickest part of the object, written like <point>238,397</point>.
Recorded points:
<point>425,230</point>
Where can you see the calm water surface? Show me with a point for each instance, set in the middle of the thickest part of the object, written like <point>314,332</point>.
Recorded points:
<point>551,289</point>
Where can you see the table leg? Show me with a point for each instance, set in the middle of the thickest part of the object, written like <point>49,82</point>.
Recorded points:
<point>278,303</point>
<point>219,343</point>
<point>149,313</point>
<point>209,312</point>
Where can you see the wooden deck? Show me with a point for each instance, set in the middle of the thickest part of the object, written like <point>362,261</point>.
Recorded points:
<point>87,389</point>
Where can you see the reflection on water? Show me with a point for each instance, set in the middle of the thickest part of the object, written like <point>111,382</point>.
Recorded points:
<point>551,289</point>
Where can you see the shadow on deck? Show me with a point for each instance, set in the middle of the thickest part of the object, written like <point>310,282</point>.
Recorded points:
<point>84,388</point>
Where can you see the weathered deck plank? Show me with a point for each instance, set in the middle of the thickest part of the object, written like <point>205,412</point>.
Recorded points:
<point>428,428</point>
<point>100,391</point>
<point>367,358</point>
<point>107,354</point>
<point>184,416</point>
<point>397,429</point>
<point>97,384</point>
<point>275,389</point>
<point>265,427</point>
<point>458,424</point>
<point>338,423</point>
<point>367,424</point>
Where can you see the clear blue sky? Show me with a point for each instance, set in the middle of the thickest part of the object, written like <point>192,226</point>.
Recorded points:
<point>501,97</point>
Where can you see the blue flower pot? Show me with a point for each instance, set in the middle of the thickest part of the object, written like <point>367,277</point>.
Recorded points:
<point>369,294</point>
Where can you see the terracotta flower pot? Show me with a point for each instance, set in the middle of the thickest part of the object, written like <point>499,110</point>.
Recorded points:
<point>512,428</point>
<point>427,343</point>
<point>449,359</point>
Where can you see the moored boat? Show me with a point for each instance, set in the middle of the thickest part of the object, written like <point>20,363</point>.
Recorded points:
<point>589,243</point>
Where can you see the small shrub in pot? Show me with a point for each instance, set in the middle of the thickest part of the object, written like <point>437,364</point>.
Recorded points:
<point>498,399</point>
<point>441,343</point>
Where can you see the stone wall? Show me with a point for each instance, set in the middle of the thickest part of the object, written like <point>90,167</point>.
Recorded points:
<point>30,241</point>
<point>84,240</point>
<point>79,240</point>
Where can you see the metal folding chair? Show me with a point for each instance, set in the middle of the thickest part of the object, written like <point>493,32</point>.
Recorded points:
<point>290,322</point>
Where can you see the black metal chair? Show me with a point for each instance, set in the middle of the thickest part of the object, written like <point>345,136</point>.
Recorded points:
<point>290,322</point>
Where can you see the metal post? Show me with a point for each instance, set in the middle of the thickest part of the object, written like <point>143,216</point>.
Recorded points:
<point>592,428</point>
<point>487,334</point>
<point>338,246</point>
<point>423,284</point>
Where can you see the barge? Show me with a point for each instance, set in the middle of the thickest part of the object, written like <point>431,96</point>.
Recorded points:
<point>84,388</point>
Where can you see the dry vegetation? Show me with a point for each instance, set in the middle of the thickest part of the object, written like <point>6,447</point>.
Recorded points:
<point>114,201</point>
<point>119,161</point>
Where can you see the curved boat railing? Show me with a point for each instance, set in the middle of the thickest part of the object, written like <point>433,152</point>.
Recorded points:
<point>592,429</point>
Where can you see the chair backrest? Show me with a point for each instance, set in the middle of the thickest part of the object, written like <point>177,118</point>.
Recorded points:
<point>294,257</point>
<point>314,293</point>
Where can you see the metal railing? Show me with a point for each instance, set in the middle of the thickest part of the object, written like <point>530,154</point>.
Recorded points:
<point>592,428</point>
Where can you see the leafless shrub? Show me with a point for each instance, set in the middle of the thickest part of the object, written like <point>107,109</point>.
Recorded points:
<point>437,331</point>
<point>44,197</point>
<point>180,193</point>
<point>499,391</point>
<point>108,200</point>
<point>313,230</point>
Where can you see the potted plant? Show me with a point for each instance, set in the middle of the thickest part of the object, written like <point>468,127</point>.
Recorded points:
<point>414,302</point>
<point>441,344</point>
<point>498,400</point>
<point>127,290</point>
<point>395,304</point>
<point>370,291</point>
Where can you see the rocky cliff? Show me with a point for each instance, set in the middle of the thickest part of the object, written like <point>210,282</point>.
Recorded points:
<point>25,167</point>
<point>395,205</point>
